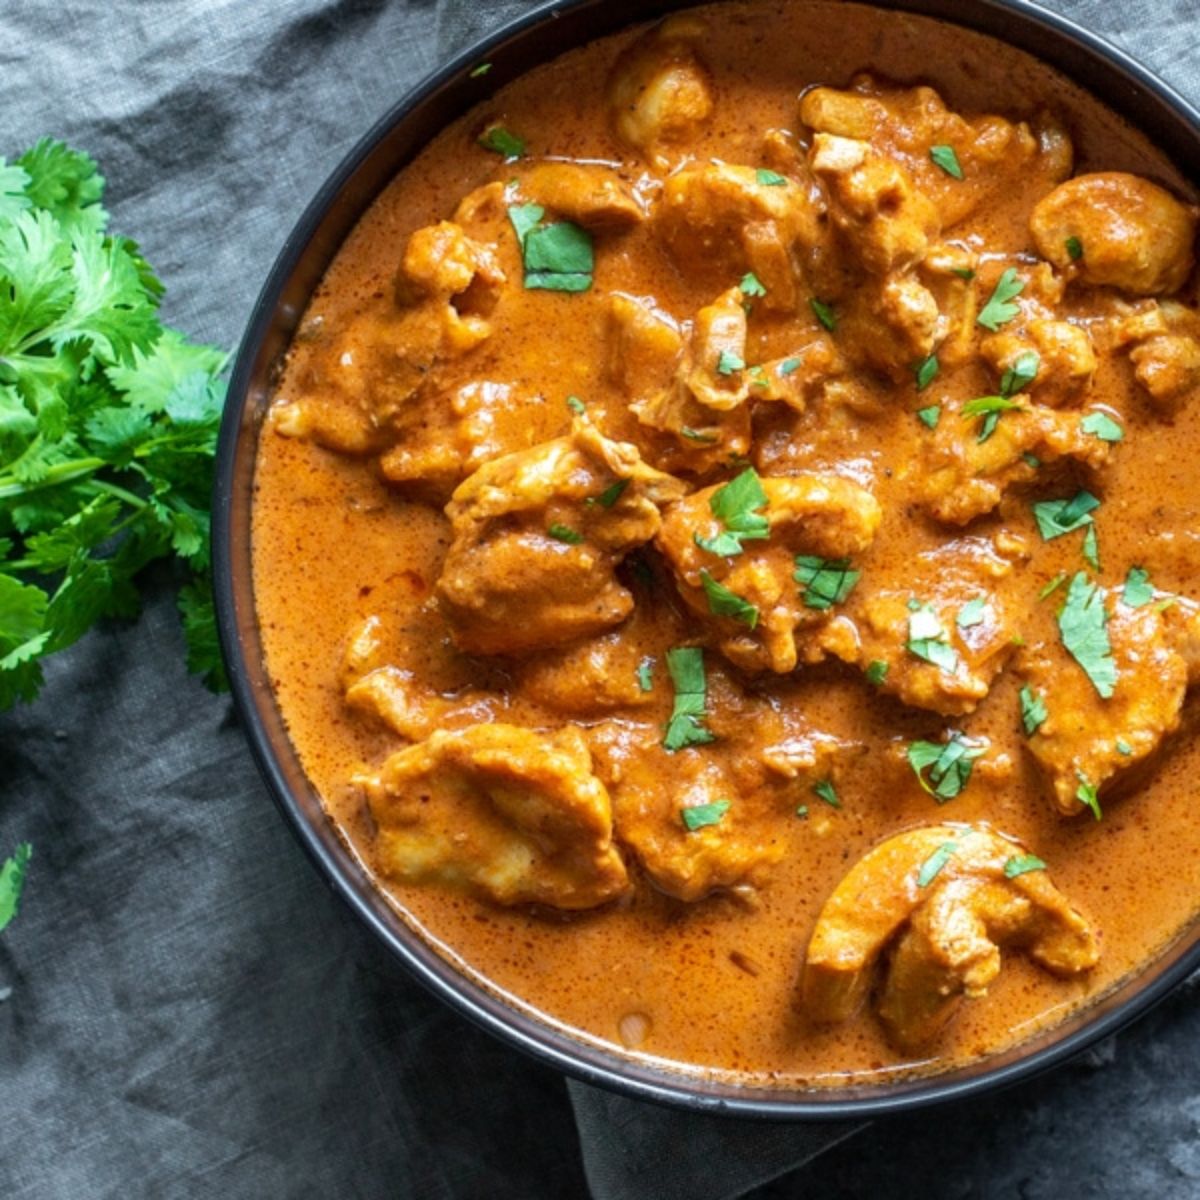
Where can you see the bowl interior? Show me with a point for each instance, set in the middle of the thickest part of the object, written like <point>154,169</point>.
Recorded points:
<point>397,137</point>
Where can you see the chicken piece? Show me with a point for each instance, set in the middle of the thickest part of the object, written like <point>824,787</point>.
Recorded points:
<point>704,409</point>
<point>907,123</point>
<point>1088,741</point>
<point>531,562</point>
<point>891,323</point>
<point>963,478</point>
<point>659,92</point>
<point>825,516</point>
<point>940,654</point>
<point>1165,350</point>
<point>886,221</point>
<point>1115,230</point>
<point>1066,359</point>
<point>943,891</point>
<point>590,195</point>
<point>797,379</point>
<point>644,345</point>
<point>942,274</point>
<point>719,221</point>
<point>508,814</point>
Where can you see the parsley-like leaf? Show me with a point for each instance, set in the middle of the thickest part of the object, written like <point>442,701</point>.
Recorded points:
<point>1021,374</point>
<point>576,405</point>
<point>876,671</point>
<point>932,867</point>
<point>724,603</point>
<point>645,674</point>
<point>926,371</point>
<point>768,178</point>
<point>824,313</point>
<point>972,613</point>
<point>1138,590</point>
<point>1091,548</point>
<point>825,790</point>
<point>736,506</point>
<point>1101,425</point>
<point>728,363</point>
<point>1033,710</point>
<point>685,664</point>
<point>1074,249</point>
<point>826,581</point>
<point>556,257</point>
<point>929,417</point>
<point>945,158</point>
<point>697,816</point>
<point>949,764</point>
<point>1089,795</point>
<point>1022,864</point>
<point>12,881</point>
<point>500,141</point>
<point>751,285</point>
<point>564,533</point>
<point>1000,309</point>
<point>1056,517</point>
<point>1083,624</point>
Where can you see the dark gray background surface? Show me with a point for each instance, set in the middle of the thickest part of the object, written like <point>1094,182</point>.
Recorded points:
<point>191,1012</point>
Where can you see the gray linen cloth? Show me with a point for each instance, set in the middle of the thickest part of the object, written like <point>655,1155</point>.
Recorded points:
<point>187,1010</point>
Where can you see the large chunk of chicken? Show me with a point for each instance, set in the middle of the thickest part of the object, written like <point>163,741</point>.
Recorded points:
<point>886,220</point>
<point>890,323</point>
<point>532,561</point>
<point>964,477</point>
<point>659,92</point>
<point>945,891</point>
<point>1089,742</point>
<point>719,221</point>
<point>1164,342</point>
<point>946,633</point>
<point>1116,230</point>
<point>1066,360</point>
<point>809,515</point>
<point>907,123</point>
<point>509,814</point>
<point>703,410</point>
<point>591,195</point>
<point>644,345</point>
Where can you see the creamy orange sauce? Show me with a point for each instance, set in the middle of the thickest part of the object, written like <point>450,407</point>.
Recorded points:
<point>712,985</point>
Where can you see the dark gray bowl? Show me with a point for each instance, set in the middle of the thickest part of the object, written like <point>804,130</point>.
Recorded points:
<point>558,26</point>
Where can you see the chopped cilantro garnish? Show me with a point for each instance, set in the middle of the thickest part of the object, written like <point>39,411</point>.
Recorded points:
<point>1083,624</point>
<point>751,285</point>
<point>1091,548</point>
<point>1033,710</point>
<point>556,257</point>
<point>611,494</point>
<point>769,178</point>
<point>990,408</point>
<point>697,816</point>
<point>928,640</point>
<point>1101,425</point>
<point>724,603</point>
<point>1031,460</point>
<point>686,726</point>
<point>645,674</point>
<point>1021,374</point>
<point>480,70</point>
<point>1138,589</point>
<point>926,371</point>
<point>736,506</point>
<point>963,273</point>
<point>788,366</point>
<point>972,613</point>
<point>1123,747</point>
<point>697,435</point>
<point>12,881</point>
<point>1088,794</point>
<point>576,405</point>
<point>932,866</point>
<point>1022,864</point>
<point>1052,586</point>
<point>1056,517</point>
<point>929,417</point>
<point>802,810</point>
<point>949,764</point>
<point>945,158</point>
<point>876,671</point>
<point>500,141</point>
<point>728,362</point>
<point>824,313</point>
<point>826,791</point>
<point>564,533</point>
<point>1074,248</point>
<point>999,309</point>
<point>826,581</point>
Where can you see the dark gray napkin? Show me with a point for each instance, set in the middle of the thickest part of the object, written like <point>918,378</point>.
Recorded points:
<point>192,1013</point>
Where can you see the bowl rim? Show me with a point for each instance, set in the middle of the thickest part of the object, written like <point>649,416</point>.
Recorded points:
<point>519,1028</point>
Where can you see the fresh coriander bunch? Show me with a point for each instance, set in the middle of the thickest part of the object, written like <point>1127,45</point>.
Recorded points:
<point>108,425</point>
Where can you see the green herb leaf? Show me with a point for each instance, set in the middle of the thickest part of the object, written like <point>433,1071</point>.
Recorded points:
<point>1056,517</point>
<point>751,285</point>
<point>556,257</point>
<point>1033,710</point>
<point>1088,794</point>
<point>724,603</point>
<point>697,816</point>
<point>999,309</point>
<point>930,416</point>
<point>480,70</point>
<point>972,613</point>
<point>928,640</point>
<point>769,178</point>
<point>12,881</point>
<point>1074,248</point>
<point>926,372</point>
<point>728,363</point>
<point>1021,374</point>
<point>697,435</point>
<point>963,273</point>
<point>949,764</point>
<point>826,581</point>
<point>645,674</point>
<point>825,790</point>
<point>876,671</point>
<point>610,495</point>
<point>1052,586</point>
<point>1091,548</point>
<point>931,868</point>
<point>824,313</point>
<point>945,158</point>
<point>802,810</point>
<point>1138,590</point>
<point>736,506</point>
<point>564,533</point>
<point>500,141</point>
<point>1101,425</point>
<point>576,405</point>
<point>1123,747</point>
<point>788,366</point>
<point>1022,864</point>
<point>685,664</point>
<point>1083,624</point>
<point>1031,460</point>
<point>989,404</point>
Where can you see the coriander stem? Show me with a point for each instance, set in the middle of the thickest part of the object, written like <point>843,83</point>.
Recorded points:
<point>63,472</point>
<point>99,485</point>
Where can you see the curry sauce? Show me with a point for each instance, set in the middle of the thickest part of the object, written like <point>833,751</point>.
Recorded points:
<point>731,449</point>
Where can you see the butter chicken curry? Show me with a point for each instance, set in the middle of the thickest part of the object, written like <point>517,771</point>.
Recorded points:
<point>726,543</point>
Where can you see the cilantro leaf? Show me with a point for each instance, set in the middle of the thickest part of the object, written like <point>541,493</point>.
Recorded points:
<point>931,868</point>
<point>972,613</point>
<point>724,603</point>
<point>767,178</point>
<point>1056,517</point>
<point>944,157</point>
<point>826,581</point>
<point>556,257</point>
<point>728,363</point>
<point>1138,590</point>
<point>1033,710</point>
<point>564,533</point>
<point>949,764</point>
<point>1074,249</point>
<point>876,671</point>
<point>1088,794</point>
<point>1021,374</point>
<point>12,881</point>
<point>645,674</point>
<point>1101,425</point>
<point>736,505</point>
<point>824,790</point>
<point>685,665</point>
<point>929,417</point>
<point>999,309</point>
<point>698,816</point>
<point>1022,864</point>
<point>1083,625</point>
<point>751,285</point>
<point>926,371</point>
<point>500,141</point>
<point>824,313</point>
